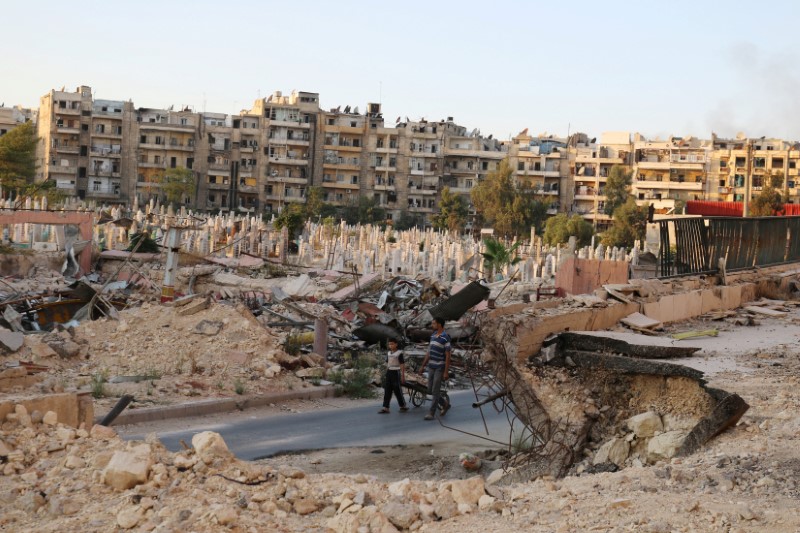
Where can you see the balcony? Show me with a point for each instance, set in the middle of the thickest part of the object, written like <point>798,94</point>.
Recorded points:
<point>67,149</point>
<point>104,174</point>
<point>67,110</point>
<point>152,146</point>
<point>653,165</point>
<point>166,126</point>
<point>98,151</point>
<point>667,184</point>
<point>601,160</point>
<point>386,150</point>
<point>219,186</point>
<point>180,146</point>
<point>103,191</point>
<point>384,168</point>
<point>384,187</point>
<point>342,147</point>
<point>285,160</point>
<point>68,129</point>
<point>107,134</point>
<point>340,185</point>
<point>461,190</point>
<point>287,179</point>
<point>420,209</point>
<point>247,189</point>
<point>147,164</point>
<point>295,123</point>
<point>58,169</point>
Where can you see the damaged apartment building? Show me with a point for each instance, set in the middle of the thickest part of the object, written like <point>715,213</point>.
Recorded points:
<point>267,157</point>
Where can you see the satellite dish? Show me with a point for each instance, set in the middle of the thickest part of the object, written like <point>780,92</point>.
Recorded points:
<point>594,140</point>
<point>355,110</point>
<point>397,121</point>
<point>347,109</point>
<point>490,137</point>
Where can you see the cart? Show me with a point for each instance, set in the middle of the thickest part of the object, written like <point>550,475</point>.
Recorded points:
<point>417,387</point>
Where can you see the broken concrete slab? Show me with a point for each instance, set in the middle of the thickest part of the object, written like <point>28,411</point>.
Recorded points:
<point>630,344</point>
<point>208,327</point>
<point>764,311</point>
<point>194,307</point>
<point>640,321</point>
<point>11,341</point>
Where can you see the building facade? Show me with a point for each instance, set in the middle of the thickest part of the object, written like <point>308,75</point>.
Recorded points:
<point>267,157</point>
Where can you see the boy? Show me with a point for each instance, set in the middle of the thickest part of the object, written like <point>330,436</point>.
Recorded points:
<point>395,375</point>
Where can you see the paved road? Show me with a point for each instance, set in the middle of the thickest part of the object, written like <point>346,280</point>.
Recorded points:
<point>253,436</point>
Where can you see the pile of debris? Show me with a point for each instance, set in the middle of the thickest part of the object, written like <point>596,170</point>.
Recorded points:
<point>57,477</point>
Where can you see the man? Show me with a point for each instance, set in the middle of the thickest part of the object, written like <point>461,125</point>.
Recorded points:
<point>437,361</point>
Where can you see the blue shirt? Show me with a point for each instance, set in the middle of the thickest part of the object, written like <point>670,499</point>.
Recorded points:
<point>440,345</point>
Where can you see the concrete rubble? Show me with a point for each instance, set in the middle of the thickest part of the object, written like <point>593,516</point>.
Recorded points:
<point>611,411</point>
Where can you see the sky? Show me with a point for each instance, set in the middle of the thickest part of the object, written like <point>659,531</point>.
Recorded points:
<point>658,68</point>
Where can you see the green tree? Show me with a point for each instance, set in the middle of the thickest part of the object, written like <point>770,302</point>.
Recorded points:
<point>629,225</point>
<point>767,203</point>
<point>364,211</point>
<point>560,228</point>
<point>453,212</point>
<point>617,189</point>
<point>18,156</point>
<point>497,255</point>
<point>292,217</point>
<point>509,209</point>
<point>406,221</point>
<point>315,202</point>
<point>176,183</point>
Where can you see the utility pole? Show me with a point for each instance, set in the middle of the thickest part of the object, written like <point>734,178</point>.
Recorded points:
<point>748,179</point>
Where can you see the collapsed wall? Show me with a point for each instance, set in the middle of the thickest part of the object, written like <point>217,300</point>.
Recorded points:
<point>595,406</point>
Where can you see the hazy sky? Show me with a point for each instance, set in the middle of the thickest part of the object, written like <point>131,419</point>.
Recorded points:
<point>660,68</point>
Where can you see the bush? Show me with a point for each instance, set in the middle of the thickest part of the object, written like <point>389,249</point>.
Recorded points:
<point>98,385</point>
<point>356,382</point>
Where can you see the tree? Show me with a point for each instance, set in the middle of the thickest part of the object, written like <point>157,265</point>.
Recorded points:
<point>500,202</point>
<point>617,188</point>
<point>453,212</point>
<point>315,201</point>
<point>18,156</point>
<point>292,217</point>
<point>406,221</point>
<point>364,211</point>
<point>176,183</point>
<point>497,255</point>
<point>767,203</point>
<point>560,228</point>
<point>629,225</point>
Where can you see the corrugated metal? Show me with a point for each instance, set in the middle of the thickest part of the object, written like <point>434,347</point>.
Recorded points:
<point>743,242</point>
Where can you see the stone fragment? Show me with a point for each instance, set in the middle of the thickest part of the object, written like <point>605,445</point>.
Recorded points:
<point>126,469</point>
<point>664,446</point>
<point>401,515</point>
<point>210,446</point>
<point>102,432</point>
<point>73,462</point>
<point>495,476</point>
<point>129,517</point>
<point>208,327</point>
<point>485,502</point>
<point>444,506</point>
<point>4,449</point>
<point>23,417</point>
<point>645,425</point>
<point>36,417</point>
<point>226,515</point>
<point>615,451</point>
<point>310,373</point>
<point>194,307</point>
<point>343,523</point>
<point>305,506</point>
<point>11,341</point>
<point>468,491</point>
<point>400,488</point>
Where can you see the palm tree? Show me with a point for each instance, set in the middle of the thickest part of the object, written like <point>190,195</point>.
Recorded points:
<point>497,256</point>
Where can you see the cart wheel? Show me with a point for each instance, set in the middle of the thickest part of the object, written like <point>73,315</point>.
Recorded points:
<point>417,399</point>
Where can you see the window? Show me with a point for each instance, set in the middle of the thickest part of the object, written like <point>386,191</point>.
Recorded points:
<point>380,143</point>
<point>354,180</point>
<point>143,139</point>
<point>330,122</point>
<point>84,127</point>
<point>353,124</point>
<point>485,165</point>
<point>100,128</point>
<point>521,165</point>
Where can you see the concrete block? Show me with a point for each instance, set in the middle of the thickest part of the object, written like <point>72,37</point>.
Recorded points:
<point>732,297</point>
<point>711,300</point>
<point>748,292</point>
<point>686,305</point>
<point>68,407</point>
<point>194,307</point>
<point>126,469</point>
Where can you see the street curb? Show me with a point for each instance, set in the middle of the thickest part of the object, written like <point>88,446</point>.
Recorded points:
<point>224,405</point>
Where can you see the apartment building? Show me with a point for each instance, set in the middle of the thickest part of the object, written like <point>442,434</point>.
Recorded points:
<point>742,165</point>
<point>11,117</point>
<point>591,163</point>
<point>670,171</point>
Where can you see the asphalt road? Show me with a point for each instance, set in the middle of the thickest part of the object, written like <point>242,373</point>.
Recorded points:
<point>258,435</point>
